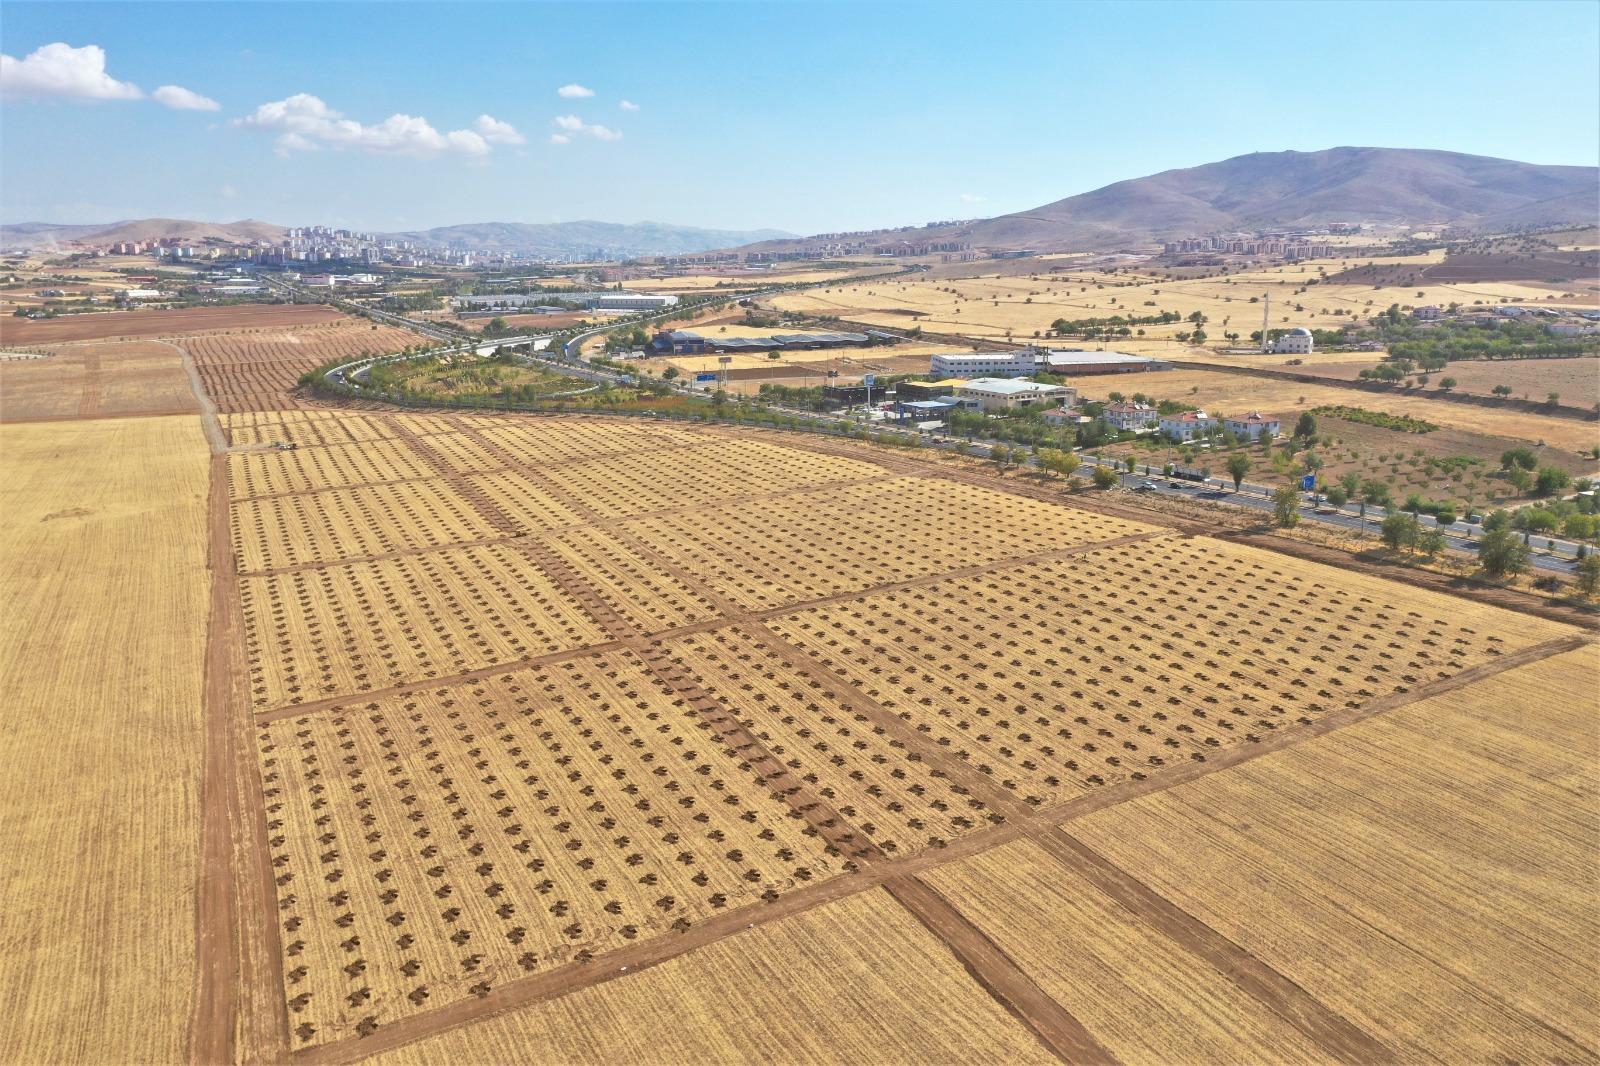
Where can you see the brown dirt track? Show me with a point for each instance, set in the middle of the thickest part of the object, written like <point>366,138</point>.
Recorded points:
<point>135,324</point>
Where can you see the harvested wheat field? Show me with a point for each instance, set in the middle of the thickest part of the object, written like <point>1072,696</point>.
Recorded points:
<point>1429,874</point>
<point>96,381</point>
<point>131,325</point>
<point>564,739</point>
<point>103,531</point>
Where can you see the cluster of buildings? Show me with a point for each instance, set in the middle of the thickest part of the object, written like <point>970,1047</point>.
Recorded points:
<point>1130,417</point>
<point>1186,426</point>
<point>605,302</point>
<point>1289,247</point>
<point>335,281</point>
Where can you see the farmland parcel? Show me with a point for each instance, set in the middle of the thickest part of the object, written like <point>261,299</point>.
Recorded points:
<point>578,739</point>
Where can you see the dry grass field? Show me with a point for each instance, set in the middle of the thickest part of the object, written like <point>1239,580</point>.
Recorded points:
<point>102,528</point>
<point>1015,305</point>
<point>1429,874</point>
<point>132,325</point>
<point>1238,394</point>
<point>554,739</point>
<point>95,381</point>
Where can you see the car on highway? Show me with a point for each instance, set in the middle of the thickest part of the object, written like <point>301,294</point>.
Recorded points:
<point>1146,486</point>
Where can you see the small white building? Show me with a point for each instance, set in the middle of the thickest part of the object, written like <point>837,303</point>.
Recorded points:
<point>141,294</point>
<point>1186,425</point>
<point>1005,394</point>
<point>1253,426</point>
<point>1128,416</point>
<point>1296,342</point>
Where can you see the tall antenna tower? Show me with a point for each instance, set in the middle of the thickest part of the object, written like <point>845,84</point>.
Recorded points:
<point>1266,319</point>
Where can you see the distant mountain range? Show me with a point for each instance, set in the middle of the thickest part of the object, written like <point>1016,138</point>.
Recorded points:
<point>613,240</point>
<point>1272,190</point>
<point>1264,190</point>
<point>557,239</point>
<point>51,235</point>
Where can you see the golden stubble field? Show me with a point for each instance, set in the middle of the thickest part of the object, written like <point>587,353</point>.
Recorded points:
<point>103,533</point>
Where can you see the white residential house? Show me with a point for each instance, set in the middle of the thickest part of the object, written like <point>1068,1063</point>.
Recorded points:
<point>1128,416</point>
<point>1427,314</point>
<point>1187,425</point>
<point>1253,426</point>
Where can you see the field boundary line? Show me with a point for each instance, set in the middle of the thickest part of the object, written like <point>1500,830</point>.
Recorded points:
<point>238,1011</point>
<point>216,436</point>
<point>1343,1040</point>
<point>999,975</point>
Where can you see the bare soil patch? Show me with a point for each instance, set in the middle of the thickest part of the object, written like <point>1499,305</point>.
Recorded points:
<point>134,324</point>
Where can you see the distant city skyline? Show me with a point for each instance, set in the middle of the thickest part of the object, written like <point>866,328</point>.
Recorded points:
<point>806,117</point>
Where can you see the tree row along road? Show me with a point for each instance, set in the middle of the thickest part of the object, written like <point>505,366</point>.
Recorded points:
<point>1257,497</point>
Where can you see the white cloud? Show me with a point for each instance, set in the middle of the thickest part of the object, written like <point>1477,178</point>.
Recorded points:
<point>181,99</point>
<point>574,92</point>
<point>496,132</point>
<point>628,105</point>
<point>971,199</point>
<point>574,124</point>
<point>228,192</point>
<point>304,122</point>
<point>560,138</point>
<point>61,70</point>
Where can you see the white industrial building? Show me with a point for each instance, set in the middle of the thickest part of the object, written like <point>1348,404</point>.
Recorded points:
<point>1019,363</point>
<point>1075,361</point>
<point>634,301</point>
<point>1027,361</point>
<point>1296,342</point>
<point>1004,394</point>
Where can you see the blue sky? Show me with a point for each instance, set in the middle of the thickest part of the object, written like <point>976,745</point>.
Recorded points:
<point>807,117</point>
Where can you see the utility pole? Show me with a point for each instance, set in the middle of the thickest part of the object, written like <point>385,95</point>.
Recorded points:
<point>1266,319</point>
